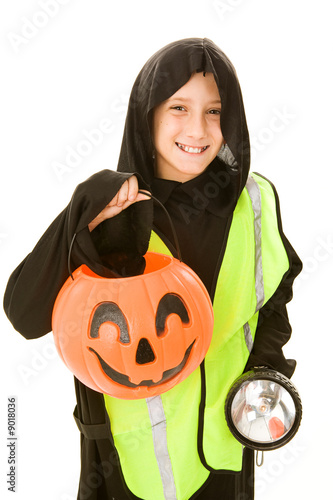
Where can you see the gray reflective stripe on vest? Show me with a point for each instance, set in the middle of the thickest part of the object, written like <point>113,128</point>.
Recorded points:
<point>158,424</point>
<point>248,337</point>
<point>255,196</point>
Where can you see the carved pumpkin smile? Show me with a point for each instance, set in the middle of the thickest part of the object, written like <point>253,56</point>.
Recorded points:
<point>122,379</point>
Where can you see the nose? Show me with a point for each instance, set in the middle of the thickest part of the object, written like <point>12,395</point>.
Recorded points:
<point>144,352</point>
<point>196,125</point>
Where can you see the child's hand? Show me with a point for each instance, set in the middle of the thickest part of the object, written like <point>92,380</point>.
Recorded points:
<point>127,194</point>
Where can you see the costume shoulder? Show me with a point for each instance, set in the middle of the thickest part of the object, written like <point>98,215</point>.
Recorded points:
<point>33,286</point>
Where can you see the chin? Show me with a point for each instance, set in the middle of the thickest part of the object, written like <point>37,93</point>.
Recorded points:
<point>185,176</point>
<point>193,170</point>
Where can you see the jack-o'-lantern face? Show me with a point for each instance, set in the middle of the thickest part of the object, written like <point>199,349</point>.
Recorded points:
<point>143,351</point>
<point>134,337</point>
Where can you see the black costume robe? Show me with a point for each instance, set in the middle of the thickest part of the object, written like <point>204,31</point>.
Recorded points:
<point>118,245</point>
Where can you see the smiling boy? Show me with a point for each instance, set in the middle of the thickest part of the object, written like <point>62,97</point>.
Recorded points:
<point>186,141</point>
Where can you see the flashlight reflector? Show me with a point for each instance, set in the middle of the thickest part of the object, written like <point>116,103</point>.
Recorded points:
<point>263,409</point>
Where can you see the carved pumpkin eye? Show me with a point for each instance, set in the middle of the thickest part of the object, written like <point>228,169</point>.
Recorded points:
<point>170,303</point>
<point>109,312</point>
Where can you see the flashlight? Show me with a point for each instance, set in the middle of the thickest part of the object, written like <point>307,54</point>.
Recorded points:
<point>263,409</point>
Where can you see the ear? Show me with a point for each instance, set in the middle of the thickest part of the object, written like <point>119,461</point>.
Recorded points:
<point>170,303</point>
<point>109,312</point>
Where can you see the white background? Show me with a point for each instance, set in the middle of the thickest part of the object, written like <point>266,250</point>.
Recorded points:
<point>63,73</point>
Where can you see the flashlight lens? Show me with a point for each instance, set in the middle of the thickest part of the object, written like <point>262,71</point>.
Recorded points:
<point>263,411</point>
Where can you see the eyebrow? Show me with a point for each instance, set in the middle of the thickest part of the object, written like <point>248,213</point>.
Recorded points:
<point>185,99</point>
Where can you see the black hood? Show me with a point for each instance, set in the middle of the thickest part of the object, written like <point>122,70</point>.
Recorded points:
<point>162,75</point>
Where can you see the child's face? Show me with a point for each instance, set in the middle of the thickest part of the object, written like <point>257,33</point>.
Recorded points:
<point>186,129</point>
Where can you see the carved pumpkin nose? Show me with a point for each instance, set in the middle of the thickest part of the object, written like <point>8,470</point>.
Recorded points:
<point>144,352</point>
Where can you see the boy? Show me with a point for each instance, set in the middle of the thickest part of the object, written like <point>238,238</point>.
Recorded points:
<point>186,141</point>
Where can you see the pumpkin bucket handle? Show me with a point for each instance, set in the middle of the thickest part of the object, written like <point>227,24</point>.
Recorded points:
<point>175,237</point>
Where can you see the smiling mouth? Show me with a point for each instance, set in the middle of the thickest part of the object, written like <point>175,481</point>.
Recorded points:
<point>191,149</point>
<point>122,379</point>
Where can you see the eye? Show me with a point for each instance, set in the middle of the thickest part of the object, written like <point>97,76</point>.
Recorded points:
<point>178,108</point>
<point>214,111</point>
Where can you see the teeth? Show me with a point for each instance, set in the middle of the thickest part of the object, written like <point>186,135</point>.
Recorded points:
<point>189,149</point>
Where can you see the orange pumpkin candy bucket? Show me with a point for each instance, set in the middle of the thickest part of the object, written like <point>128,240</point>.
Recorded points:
<point>133,337</point>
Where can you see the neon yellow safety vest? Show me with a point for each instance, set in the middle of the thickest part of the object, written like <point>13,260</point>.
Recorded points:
<point>168,444</point>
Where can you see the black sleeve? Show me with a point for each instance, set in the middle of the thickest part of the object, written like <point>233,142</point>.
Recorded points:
<point>33,286</point>
<point>274,329</point>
